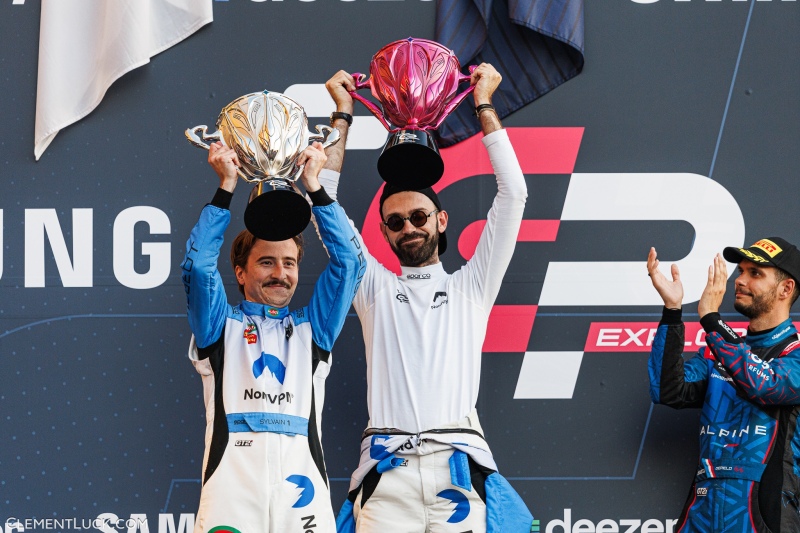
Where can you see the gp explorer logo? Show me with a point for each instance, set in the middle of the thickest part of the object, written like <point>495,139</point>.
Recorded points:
<point>707,206</point>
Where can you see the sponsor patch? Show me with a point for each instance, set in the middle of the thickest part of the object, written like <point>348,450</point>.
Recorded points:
<point>753,257</point>
<point>251,333</point>
<point>768,246</point>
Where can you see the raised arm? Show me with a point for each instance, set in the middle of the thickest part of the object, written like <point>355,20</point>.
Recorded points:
<point>338,283</point>
<point>338,87</point>
<point>673,381</point>
<point>205,294</point>
<point>484,272</point>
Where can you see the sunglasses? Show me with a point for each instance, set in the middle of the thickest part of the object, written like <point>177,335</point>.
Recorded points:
<point>418,218</point>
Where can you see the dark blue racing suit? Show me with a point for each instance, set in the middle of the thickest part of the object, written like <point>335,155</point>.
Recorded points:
<point>748,477</point>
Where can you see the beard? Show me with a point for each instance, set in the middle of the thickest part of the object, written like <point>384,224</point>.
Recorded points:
<point>759,306</point>
<point>416,254</point>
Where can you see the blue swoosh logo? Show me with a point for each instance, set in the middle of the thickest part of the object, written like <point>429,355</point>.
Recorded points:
<point>376,449</point>
<point>269,361</point>
<point>306,490</point>
<point>462,505</point>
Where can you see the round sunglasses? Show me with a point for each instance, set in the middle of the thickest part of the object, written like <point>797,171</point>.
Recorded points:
<point>418,218</point>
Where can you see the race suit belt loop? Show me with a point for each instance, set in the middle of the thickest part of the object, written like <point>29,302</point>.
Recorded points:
<point>720,469</point>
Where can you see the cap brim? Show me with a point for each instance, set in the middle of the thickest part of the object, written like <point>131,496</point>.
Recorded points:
<point>736,255</point>
<point>733,255</point>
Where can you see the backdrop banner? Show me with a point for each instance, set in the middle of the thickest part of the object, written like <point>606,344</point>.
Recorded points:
<point>683,140</point>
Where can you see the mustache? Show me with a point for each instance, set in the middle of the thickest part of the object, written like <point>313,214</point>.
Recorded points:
<point>412,236</point>
<point>277,283</point>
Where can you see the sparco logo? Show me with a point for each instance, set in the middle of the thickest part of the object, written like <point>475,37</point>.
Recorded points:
<point>252,394</point>
<point>418,276</point>
<point>727,328</point>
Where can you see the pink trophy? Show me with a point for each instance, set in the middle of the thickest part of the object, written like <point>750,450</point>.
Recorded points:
<point>415,81</point>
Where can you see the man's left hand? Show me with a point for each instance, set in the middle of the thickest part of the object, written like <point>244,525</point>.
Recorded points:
<point>486,79</point>
<point>712,295</point>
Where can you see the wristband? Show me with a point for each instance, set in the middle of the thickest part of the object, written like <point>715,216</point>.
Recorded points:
<point>347,117</point>
<point>483,107</point>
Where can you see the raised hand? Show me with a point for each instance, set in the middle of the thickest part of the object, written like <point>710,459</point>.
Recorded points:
<point>712,295</point>
<point>670,291</point>
<point>338,87</point>
<point>314,159</point>
<point>225,163</point>
<point>486,79</point>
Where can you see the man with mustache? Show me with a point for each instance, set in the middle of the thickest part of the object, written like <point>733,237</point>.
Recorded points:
<point>425,465</point>
<point>748,477</point>
<point>263,366</point>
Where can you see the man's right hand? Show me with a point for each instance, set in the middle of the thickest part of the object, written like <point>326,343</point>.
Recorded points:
<point>225,163</point>
<point>338,87</point>
<point>670,291</point>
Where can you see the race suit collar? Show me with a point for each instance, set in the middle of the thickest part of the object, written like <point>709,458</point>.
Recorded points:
<point>422,273</point>
<point>772,336</point>
<point>255,309</point>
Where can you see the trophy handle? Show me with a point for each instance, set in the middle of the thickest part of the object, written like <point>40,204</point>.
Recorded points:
<point>327,135</point>
<point>361,83</point>
<point>458,98</point>
<point>199,137</point>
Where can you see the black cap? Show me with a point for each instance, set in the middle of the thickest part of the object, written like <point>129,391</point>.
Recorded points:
<point>389,190</point>
<point>772,251</point>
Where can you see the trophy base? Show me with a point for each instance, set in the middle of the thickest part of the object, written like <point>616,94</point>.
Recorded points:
<point>411,159</point>
<point>276,215</point>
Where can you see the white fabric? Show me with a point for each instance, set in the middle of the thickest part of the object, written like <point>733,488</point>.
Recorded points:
<point>85,45</point>
<point>424,330</point>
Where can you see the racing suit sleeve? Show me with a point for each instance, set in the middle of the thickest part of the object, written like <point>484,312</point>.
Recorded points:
<point>674,381</point>
<point>205,294</point>
<point>373,272</point>
<point>483,274</point>
<point>337,284</point>
<point>775,382</point>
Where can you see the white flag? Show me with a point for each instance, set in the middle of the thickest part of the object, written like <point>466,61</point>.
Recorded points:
<point>86,45</point>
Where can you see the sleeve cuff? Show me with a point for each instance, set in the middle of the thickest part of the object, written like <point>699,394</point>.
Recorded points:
<point>671,317</point>
<point>320,198</point>
<point>495,136</point>
<point>222,199</point>
<point>713,323</point>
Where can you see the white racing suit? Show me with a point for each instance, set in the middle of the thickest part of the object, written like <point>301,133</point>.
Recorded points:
<point>264,371</point>
<point>424,332</point>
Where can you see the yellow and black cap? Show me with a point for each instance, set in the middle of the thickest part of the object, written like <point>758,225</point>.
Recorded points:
<point>772,251</point>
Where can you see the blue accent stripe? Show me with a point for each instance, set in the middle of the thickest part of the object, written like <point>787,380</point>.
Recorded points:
<point>267,422</point>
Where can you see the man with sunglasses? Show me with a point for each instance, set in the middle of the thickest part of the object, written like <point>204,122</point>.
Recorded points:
<point>425,465</point>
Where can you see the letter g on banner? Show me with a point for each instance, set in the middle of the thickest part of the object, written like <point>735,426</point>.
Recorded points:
<point>705,204</point>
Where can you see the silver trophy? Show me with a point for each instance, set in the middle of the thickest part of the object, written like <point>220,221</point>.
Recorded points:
<point>268,131</point>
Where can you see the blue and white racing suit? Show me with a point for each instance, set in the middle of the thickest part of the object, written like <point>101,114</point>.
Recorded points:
<point>748,477</point>
<point>264,371</point>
